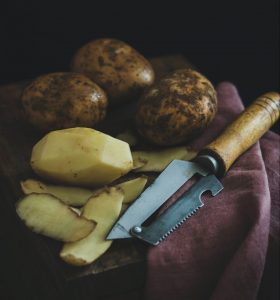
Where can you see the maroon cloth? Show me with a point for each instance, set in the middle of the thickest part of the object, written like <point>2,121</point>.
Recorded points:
<point>220,253</point>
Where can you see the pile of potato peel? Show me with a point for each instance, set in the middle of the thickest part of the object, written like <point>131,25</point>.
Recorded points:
<point>45,213</point>
<point>49,208</point>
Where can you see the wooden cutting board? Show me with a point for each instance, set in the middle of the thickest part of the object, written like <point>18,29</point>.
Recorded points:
<point>30,264</point>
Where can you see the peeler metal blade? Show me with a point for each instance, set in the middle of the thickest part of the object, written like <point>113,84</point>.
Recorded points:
<point>166,184</point>
<point>178,212</point>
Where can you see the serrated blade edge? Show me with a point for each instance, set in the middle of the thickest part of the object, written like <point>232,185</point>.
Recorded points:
<point>166,184</point>
<point>179,212</point>
<point>178,225</point>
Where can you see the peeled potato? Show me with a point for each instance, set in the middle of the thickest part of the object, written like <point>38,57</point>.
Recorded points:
<point>81,156</point>
<point>47,215</point>
<point>157,161</point>
<point>63,100</point>
<point>104,208</point>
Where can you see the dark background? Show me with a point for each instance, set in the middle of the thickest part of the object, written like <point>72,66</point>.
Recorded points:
<point>233,40</point>
<point>226,40</point>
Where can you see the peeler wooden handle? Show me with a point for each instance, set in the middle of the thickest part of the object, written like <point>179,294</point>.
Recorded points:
<point>244,131</point>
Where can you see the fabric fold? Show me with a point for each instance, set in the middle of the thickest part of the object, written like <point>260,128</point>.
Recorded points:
<point>220,252</point>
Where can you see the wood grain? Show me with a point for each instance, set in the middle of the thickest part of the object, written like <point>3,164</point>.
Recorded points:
<point>245,131</point>
<point>30,263</point>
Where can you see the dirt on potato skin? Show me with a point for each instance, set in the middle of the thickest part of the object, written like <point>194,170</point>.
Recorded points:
<point>115,66</point>
<point>177,108</point>
<point>62,100</point>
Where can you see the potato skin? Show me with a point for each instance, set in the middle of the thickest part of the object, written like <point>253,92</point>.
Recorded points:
<point>62,100</point>
<point>176,108</point>
<point>115,66</point>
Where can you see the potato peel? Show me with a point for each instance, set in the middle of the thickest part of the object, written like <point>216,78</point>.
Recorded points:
<point>157,161</point>
<point>133,188</point>
<point>49,216</point>
<point>70,195</point>
<point>75,196</point>
<point>104,208</point>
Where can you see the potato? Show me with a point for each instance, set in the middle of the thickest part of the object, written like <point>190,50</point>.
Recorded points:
<point>104,208</point>
<point>114,65</point>
<point>63,100</point>
<point>157,161</point>
<point>47,215</point>
<point>177,108</point>
<point>81,156</point>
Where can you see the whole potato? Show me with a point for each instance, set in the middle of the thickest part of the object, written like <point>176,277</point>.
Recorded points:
<point>114,65</point>
<point>177,108</point>
<point>63,100</point>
